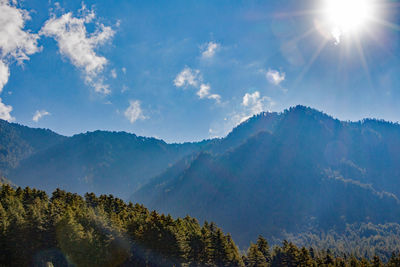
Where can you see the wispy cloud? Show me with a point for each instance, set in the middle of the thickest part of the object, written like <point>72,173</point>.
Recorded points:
<point>216,97</point>
<point>76,44</point>
<point>134,111</point>
<point>124,88</point>
<point>114,73</point>
<point>193,78</point>
<point>39,114</point>
<point>210,49</point>
<point>16,44</point>
<point>275,77</point>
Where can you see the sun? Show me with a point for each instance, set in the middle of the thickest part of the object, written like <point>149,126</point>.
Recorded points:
<point>350,24</point>
<point>345,17</point>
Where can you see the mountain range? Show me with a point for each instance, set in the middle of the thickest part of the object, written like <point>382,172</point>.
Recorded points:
<point>291,172</point>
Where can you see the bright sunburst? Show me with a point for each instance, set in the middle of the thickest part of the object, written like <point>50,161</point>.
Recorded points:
<point>348,23</point>
<point>346,16</point>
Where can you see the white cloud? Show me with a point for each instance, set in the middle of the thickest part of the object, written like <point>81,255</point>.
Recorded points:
<point>216,97</point>
<point>189,77</point>
<point>5,112</point>
<point>254,104</point>
<point>39,114</point>
<point>114,73</point>
<point>210,49</point>
<point>275,77</point>
<point>124,70</point>
<point>79,46</point>
<point>124,88</point>
<point>4,74</point>
<point>134,111</point>
<point>16,44</point>
<point>204,90</point>
<point>251,104</point>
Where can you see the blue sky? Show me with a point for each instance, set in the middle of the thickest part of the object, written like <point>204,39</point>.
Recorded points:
<point>190,70</point>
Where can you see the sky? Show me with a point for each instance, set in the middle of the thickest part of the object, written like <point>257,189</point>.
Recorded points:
<point>187,70</point>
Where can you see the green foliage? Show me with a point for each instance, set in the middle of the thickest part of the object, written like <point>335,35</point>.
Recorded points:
<point>365,239</point>
<point>67,229</point>
<point>297,171</point>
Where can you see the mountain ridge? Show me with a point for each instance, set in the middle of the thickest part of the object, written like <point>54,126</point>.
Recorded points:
<point>323,171</point>
<point>315,168</point>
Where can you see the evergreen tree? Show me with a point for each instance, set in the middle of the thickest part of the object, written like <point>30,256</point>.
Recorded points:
<point>263,247</point>
<point>255,257</point>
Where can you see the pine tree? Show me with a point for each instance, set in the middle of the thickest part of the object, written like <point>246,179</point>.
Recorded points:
<point>376,262</point>
<point>263,247</point>
<point>255,257</point>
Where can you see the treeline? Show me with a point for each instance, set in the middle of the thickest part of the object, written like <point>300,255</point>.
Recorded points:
<point>69,230</point>
<point>365,239</point>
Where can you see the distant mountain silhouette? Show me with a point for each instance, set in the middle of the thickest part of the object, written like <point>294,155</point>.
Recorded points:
<point>18,142</point>
<point>296,171</point>
<point>102,162</point>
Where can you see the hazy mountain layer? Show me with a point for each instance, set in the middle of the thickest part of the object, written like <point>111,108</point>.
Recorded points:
<point>295,171</point>
<point>305,171</point>
<point>102,162</point>
<point>18,142</point>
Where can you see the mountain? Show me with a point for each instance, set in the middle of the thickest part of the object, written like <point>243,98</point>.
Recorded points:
<point>297,171</point>
<point>103,162</point>
<point>291,172</point>
<point>265,121</point>
<point>100,161</point>
<point>18,142</point>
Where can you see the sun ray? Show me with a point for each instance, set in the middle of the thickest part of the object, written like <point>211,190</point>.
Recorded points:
<point>341,60</point>
<point>302,36</point>
<point>388,24</point>
<point>311,62</point>
<point>298,13</point>
<point>381,44</point>
<point>363,60</point>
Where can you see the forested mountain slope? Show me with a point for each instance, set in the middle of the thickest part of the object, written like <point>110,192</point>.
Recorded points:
<point>102,162</point>
<point>70,230</point>
<point>307,172</point>
<point>295,171</point>
<point>18,142</point>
